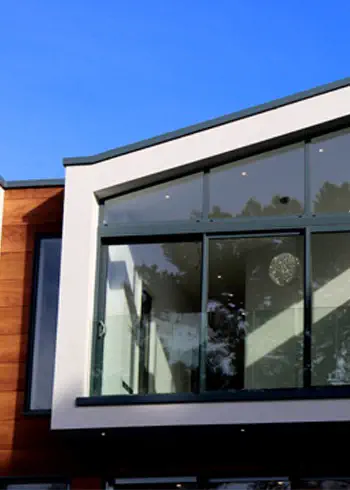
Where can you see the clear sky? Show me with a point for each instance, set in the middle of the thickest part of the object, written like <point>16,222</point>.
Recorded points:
<point>82,76</point>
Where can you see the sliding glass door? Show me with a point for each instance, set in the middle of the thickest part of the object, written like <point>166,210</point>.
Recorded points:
<point>255,313</point>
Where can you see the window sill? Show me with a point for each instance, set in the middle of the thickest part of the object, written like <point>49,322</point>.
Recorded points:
<point>37,413</point>
<point>330,392</point>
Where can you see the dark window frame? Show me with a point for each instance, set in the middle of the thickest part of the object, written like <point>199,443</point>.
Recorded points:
<point>32,480</point>
<point>307,224</point>
<point>32,320</point>
<point>198,481</point>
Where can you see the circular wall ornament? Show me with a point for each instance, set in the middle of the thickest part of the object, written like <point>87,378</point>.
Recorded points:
<point>283,268</point>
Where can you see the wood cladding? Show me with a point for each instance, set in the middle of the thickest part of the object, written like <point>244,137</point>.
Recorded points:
<point>15,265</point>
<point>26,443</point>
<point>14,320</point>
<point>31,212</point>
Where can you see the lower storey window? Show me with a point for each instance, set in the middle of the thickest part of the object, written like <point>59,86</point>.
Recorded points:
<point>157,483</point>
<point>228,484</point>
<point>223,313</point>
<point>34,486</point>
<point>204,484</point>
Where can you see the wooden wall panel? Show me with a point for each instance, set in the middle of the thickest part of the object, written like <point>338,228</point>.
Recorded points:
<point>15,265</point>
<point>27,446</point>
<point>21,237</point>
<point>19,211</point>
<point>14,293</point>
<point>12,348</point>
<point>11,405</point>
<point>14,239</point>
<point>12,376</point>
<point>14,321</point>
<point>42,193</point>
<point>29,434</point>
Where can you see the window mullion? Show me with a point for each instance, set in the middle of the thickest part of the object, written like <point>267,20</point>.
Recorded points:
<point>307,309</point>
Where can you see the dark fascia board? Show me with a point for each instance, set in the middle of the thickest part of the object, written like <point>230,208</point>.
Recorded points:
<point>252,111</point>
<point>25,184</point>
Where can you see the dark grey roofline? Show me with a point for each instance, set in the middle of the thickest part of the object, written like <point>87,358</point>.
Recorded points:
<point>90,160</point>
<point>25,184</point>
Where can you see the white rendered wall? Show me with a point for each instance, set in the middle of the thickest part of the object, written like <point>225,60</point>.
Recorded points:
<point>74,338</point>
<point>2,198</point>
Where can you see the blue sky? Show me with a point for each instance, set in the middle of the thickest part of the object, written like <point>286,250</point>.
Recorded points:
<point>80,76</point>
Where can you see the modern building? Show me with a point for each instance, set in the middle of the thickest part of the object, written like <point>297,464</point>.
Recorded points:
<point>176,313</point>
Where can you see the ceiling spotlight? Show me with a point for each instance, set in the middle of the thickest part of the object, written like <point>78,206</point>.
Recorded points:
<point>242,430</point>
<point>244,174</point>
<point>167,196</point>
<point>321,150</point>
<point>103,434</point>
<point>219,276</point>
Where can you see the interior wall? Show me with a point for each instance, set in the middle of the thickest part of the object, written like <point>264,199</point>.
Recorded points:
<point>123,311</point>
<point>123,307</point>
<point>171,333</point>
<point>331,309</point>
<point>274,327</point>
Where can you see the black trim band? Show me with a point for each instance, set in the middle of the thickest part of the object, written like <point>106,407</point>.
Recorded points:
<point>315,393</point>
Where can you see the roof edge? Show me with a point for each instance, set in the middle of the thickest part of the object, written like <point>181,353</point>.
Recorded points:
<point>212,123</point>
<point>24,184</point>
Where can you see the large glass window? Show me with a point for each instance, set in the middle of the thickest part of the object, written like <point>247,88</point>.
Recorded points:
<point>265,185</point>
<point>45,322</point>
<point>167,483</point>
<point>179,199</point>
<point>149,343</point>
<point>224,312</point>
<point>331,309</point>
<point>330,178</point>
<point>255,313</point>
<point>154,334</point>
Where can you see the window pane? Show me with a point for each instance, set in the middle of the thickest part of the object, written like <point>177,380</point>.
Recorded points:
<point>255,313</point>
<point>331,309</point>
<point>152,318</point>
<point>330,181</point>
<point>266,185</point>
<point>45,323</point>
<point>250,485</point>
<point>325,484</point>
<point>175,200</point>
<point>36,486</point>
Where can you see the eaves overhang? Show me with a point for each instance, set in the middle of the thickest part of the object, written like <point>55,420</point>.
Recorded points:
<point>31,183</point>
<point>213,123</point>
